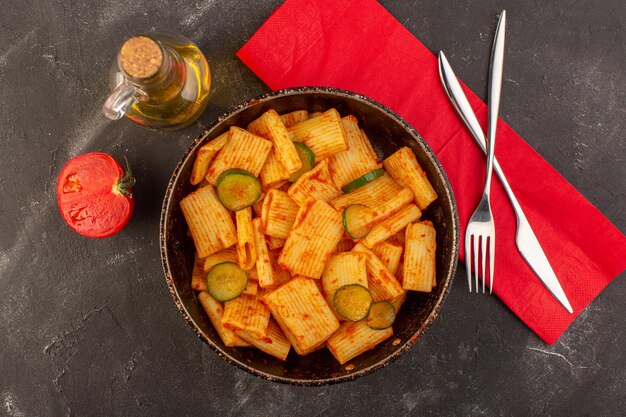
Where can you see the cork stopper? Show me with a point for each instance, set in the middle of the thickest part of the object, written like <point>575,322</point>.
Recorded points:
<point>141,57</point>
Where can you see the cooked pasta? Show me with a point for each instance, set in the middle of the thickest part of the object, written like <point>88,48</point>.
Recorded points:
<point>323,134</point>
<point>252,288</point>
<point>278,213</point>
<point>419,258</point>
<point>246,250</point>
<point>265,273</point>
<point>357,160</point>
<point>273,171</point>
<point>247,313</point>
<point>392,225</point>
<point>226,255</point>
<point>275,343</point>
<point>314,236</point>
<point>275,242</point>
<point>215,310</point>
<point>267,269</point>
<point>243,150</point>
<point>354,338</point>
<point>398,302</point>
<point>345,244</point>
<point>343,269</point>
<point>252,275</point>
<point>317,183</point>
<point>210,224</point>
<point>400,272</point>
<point>380,279</point>
<point>205,155</point>
<point>383,195</point>
<point>405,169</point>
<point>198,276</point>
<point>302,313</point>
<point>390,254</point>
<point>294,117</point>
<point>257,207</point>
<point>271,126</point>
<point>397,238</point>
<point>281,276</point>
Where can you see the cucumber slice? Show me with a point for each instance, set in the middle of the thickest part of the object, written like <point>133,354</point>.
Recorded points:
<point>363,179</point>
<point>238,189</point>
<point>226,281</point>
<point>355,222</point>
<point>352,302</point>
<point>381,315</point>
<point>308,160</point>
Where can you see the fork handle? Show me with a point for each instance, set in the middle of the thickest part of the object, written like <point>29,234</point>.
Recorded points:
<point>495,88</point>
<point>509,192</point>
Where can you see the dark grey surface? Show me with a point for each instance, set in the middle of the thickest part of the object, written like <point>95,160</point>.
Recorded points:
<point>87,327</point>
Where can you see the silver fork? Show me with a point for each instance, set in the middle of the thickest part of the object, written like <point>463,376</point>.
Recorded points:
<point>480,234</point>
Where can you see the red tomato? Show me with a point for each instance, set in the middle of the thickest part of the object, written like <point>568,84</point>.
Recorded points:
<point>94,195</point>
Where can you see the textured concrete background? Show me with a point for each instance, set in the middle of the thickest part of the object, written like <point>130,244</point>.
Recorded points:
<point>87,327</point>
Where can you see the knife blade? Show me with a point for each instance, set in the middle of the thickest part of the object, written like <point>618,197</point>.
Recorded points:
<point>525,238</point>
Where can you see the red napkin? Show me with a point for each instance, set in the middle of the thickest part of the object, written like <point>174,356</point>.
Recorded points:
<point>359,46</point>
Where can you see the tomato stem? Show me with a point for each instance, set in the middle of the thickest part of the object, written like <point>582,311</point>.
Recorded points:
<point>124,184</point>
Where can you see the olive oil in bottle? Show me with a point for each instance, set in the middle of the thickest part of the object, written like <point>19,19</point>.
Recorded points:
<point>160,81</point>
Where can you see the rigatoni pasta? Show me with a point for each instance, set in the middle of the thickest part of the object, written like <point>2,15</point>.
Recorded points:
<point>215,311</point>
<point>345,244</point>
<point>265,273</point>
<point>258,205</point>
<point>252,288</point>
<point>343,269</point>
<point>198,276</point>
<point>379,277</point>
<point>405,169</point>
<point>419,272</point>
<point>397,238</point>
<point>273,171</point>
<point>279,249</point>
<point>317,184</point>
<point>278,213</point>
<point>302,313</point>
<point>226,255</point>
<point>315,234</point>
<point>400,272</point>
<point>247,313</point>
<point>242,150</point>
<point>354,338</point>
<point>290,119</point>
<point>210,224</point>
<point>323,134</point>
<point>275,242</point>
<point>246,248</point>
<point>275,343</point>
<point>204,157</point>
<point>358,160</point>
<point>390,254</point>
<point>383,195</point>
<point>281,276</point>
<point>271,126</point>
<point>392,225</point>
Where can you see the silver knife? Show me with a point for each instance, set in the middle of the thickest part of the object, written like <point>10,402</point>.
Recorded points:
<point>525,238</point>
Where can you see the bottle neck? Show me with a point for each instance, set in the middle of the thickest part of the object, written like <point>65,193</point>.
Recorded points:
<point>166,83</point>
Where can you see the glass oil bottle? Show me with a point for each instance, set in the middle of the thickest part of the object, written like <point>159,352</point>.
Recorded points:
<point>160,81</point>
